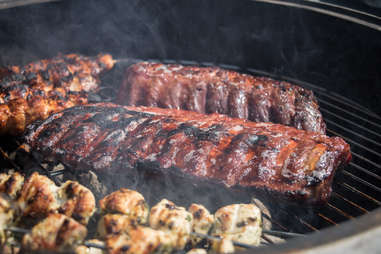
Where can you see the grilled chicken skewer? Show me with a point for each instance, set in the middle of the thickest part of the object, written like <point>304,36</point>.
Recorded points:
<point>123,230</point>
<point>6,217</point>
<point>56,232</point>
<point>41,88</point>
<point>122,211</point>
<point>38,196</point>
<point>238,223</point>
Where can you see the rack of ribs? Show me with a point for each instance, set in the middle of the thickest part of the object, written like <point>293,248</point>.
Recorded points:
<point>106,137</point>
<point>215,90</point>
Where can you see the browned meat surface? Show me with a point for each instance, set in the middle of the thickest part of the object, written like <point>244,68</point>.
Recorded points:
<point>127,202</point>
<point>108,138</point>
<point>37,196</point>
<point>214,90</point>
<point>41,88</point>
<point>56,232</point>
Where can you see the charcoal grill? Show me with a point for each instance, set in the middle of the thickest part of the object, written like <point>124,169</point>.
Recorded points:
<point>334,51</point>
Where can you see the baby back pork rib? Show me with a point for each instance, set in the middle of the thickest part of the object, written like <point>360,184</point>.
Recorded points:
<point>40,88</point>
<point>215,90</point>
<point>108,138</point>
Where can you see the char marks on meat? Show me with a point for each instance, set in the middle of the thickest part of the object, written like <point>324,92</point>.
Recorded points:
<point>215,90</point>
<point>111,138</point>
<point>43,87</point>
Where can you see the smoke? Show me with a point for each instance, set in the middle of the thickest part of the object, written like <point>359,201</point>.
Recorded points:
<point>336,55</point>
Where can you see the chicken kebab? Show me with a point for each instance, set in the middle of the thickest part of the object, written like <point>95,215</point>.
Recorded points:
<point>40,88</point>
<point>32,199</point>
<point>128,226</point>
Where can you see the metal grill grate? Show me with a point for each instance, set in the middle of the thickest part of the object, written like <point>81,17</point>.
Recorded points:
<point>356,188</point>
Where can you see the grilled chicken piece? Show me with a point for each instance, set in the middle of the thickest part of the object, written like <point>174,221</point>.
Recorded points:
<point>78,201</point>
<point>239,222</point>
<point>110,138</point>
<point>142,240</point>
<point>82,249</point>
<point>202,221</point>
<point>40,88</point>
<point>225,245</point>
<point>128,202</point>
<point>6,217</point>
<point>168,217</point>
<point>114,224</point>
<point>56,232</point>
<point>11,184</point>
<point>214,90</point>
<point>197,251</point>
<point>40,196</point>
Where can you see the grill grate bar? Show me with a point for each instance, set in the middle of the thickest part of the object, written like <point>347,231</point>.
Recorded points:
<point>327,219</point>
<point>341,212</point>
<point>349,113</point>
<point>6,157</point>
<point>349,121</point>
<point>360,192</point>
<point>350,202</point>
<point>348,103</point>
<point>306,224</point>
<point>352,164</point>
<point>354,142</point>
<point>358,179</point>
<point>276,223</point>
<point>284,213</point>
<point>264,215</point>
<point>366,160</point>
<point>378,166</point>
<point>352,132</point>
<point>290,214</point>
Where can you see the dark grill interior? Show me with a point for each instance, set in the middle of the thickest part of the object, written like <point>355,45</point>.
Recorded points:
<point>356,188</point>
<point>339,57</point>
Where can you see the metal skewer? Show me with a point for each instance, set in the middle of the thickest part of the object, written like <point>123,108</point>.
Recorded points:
<point>216,238</point>
<point>5,155</point>
<point>26,231</point>
<point>281,234</point>
<point>103,247</point>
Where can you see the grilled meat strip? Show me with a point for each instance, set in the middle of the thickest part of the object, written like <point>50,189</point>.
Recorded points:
<point>215,90</point>
<point>107,138</point>
<point>41,88</point>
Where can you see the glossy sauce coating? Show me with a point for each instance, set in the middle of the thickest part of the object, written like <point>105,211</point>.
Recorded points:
<point>232,151</point>
<point>215,90</point>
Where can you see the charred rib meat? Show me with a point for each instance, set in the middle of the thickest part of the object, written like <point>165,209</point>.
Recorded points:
<point>215,90</point>
<point>40,88</point>
<point>236,152</point>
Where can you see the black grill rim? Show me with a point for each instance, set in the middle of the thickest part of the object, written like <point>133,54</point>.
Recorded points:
<point>353,227</point>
